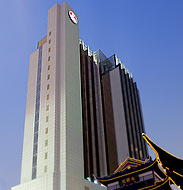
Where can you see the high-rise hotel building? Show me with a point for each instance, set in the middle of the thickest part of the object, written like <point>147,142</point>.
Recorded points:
<point>83,112</point>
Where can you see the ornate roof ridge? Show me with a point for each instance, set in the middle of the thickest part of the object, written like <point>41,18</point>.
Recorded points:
<point>131,162</point>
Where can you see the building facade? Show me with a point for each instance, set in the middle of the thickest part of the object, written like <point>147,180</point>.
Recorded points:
<point>79,117</point>
<point>112,115</point>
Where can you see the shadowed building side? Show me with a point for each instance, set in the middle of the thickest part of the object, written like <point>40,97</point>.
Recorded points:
<point>93,127</point>
<point>123,117</point>
<point>112,117</point>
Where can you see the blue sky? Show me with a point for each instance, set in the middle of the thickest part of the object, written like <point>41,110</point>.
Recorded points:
<point>147,35</point>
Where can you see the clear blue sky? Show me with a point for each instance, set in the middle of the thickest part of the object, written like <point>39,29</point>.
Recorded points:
<point>147,35</point>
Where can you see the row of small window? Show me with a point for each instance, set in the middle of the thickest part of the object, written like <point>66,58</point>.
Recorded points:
<point>48,76</point>
<point>49,49</point>
<point>47,106</point>
<point>46,154</point>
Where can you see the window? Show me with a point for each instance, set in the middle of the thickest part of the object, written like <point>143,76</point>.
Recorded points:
<point>48,77</point>
<point>50,41</point>
<point>35,138</point>
<point>50,33</point>
<point>49,58</point>
<point>45,156</point>
<point>34,169</point>
<point>46,142</point>
<point>48,96</point>
<point>47,107</point>
<point>46,118</point>
<point>45,169</point>
<point>49,50</point>
<point>48,67</point>
<point>36,126</point>
<point>37,113</point>
<point>48,87</point>
<point>132,149</point>
<point>34,163</point>
<point>141,156</point>
<point>46,131</point>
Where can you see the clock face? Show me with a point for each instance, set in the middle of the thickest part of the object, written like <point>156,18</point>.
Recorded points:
<point>73,17</point>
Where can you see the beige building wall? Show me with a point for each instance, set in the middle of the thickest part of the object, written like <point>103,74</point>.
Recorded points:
<point>26,171</point>
<point>60,164</point>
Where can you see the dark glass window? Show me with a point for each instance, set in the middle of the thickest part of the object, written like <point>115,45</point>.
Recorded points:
<point>36,124</point>
<point>34,169</point>
<point>34,161</point>
<point>35,149</point>
<point>35,137</point>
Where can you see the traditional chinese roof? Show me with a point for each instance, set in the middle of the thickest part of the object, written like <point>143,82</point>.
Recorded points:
<point>131,167</point>
<point>172,164</point>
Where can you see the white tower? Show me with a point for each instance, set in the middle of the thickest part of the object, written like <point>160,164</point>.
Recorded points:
<point>53,143</point>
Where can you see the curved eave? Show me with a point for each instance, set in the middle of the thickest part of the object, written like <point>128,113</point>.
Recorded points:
<point>172,164</point>
<point>168,160</point>
<point>176,178</point>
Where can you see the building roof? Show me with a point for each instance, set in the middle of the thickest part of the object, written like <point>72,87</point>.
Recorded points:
<point>131,167</point>
<point>131,163</point>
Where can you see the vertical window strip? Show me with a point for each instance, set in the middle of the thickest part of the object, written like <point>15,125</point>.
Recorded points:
<point>36,123</point>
